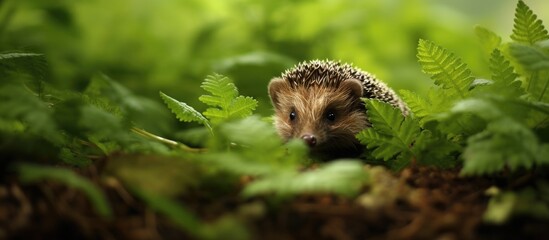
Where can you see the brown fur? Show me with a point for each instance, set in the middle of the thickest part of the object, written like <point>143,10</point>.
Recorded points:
<point>312,89</point>
<point>311,104</point>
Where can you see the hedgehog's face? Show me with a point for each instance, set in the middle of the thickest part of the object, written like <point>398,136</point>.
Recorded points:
<point>326,118</point>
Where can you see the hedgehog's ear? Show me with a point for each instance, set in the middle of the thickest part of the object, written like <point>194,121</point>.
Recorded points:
<point>276,86</point>
<point>353,86</point>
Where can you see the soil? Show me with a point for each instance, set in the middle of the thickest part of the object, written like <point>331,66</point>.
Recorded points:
<point>417,203</point>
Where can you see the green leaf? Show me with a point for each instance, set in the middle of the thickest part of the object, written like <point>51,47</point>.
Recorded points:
<point>343,177</point>
<point>445,68</point>
<point>504,141</point>
<point>527,27</point>
<point>73,158</point>
<point>239,165</point>
<point>383,147</point>
<point>435,149</point>
<point>250,139</point>
<point>31,173</point>
<point>386,120</point>
<point>426,108</point>
<point>500,208</point>
<point>184,112</point>
<point>527,202</point>
<point>225,102</point>
<point>488,39</point>
<point>505,81</point>
<point>222,89</point>
<point>32,63</point>
<point>536,62</point>
<point>391,133</point>
<point>242,107</point>
<point>532,58</point>
<point>159,174</point>
<point>19,104</point>
<point>255,138</point>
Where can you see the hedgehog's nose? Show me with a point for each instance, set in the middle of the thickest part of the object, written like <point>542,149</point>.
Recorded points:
<point>309,139</point>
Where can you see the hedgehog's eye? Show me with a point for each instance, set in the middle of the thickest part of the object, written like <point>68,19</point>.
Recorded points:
<point>292,115</point>
<point>331,116</point>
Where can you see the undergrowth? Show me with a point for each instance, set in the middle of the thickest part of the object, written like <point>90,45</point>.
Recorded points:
<point>492,126</point>
<point>488,126</point>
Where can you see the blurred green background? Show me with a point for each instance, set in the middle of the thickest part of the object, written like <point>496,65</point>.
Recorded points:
<point>171,45</point>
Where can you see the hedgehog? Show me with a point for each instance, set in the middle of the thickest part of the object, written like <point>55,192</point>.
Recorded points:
<point>319,101</point>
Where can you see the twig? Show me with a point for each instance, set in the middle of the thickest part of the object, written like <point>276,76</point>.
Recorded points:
<point>166,141</point>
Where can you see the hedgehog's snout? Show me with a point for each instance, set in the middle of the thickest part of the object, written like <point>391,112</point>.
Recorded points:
<point>309,139</point>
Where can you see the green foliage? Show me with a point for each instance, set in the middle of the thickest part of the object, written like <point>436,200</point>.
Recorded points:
<point>390,134</point>
<point>503,143</point>
<point>30,173</point>
<point>493,123</point>
<point>277,172</point>
<point>225,102</point>
<point>527,28</point>
<point>505,80</point>
<point>77,125</point>
<point>340,177</point>
<point>426,108</point>
<point>532,58</point>
<point>240,146</point>
<point>20,62</point>
<point>488,39</point>
<point>22,106</point>
<point>393,136</point>
<point>445,68</point>
<point>184,112</point>
<point>527,202</point>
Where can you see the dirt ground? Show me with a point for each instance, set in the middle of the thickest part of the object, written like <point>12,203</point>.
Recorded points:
<point>418,203</point>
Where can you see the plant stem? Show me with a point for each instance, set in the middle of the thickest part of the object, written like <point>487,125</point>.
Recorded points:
<point>533,77</point>
<point>543,91</point>
<point>167,141</point>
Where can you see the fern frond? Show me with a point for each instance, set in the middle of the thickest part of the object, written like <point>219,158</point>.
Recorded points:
<point>389,122</point>
<point>532,58</point>
<point>222,89</point>
<point>418,105</point>
<point>390,133</point>
<point>242,107</point>
<point>488,39</point>
<point>504,142</point>
<point>536,62</point>
<point>445,68</point>
<point>239,107</point>
<point>184,112</point>
<point>383,147</point>
<point>224,101</point>
<point>434,149</point>
<point>527,27</point>
<point>504,76</point>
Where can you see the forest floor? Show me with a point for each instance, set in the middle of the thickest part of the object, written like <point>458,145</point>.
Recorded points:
<point>417,203</point>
